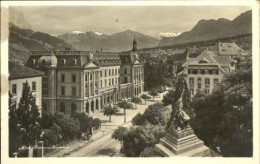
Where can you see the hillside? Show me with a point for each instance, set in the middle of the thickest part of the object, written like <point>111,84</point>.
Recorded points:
<point>117,42</point>
<point>23,41</point>
<point>213,29</point>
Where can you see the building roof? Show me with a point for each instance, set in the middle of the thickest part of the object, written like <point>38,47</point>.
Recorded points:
<point>229,49</point>
<point>19,71</point>
<point>209,58</point>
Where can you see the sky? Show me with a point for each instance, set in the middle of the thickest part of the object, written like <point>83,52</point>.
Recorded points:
<point>149,20</point>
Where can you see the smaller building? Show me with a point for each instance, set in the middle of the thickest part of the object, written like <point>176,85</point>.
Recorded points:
<point>18,75</point>
<point>205,71</point>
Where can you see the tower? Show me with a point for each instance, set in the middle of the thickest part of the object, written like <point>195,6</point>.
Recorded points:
<point>134,45</point>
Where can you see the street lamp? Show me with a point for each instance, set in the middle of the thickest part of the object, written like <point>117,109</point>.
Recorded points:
<point>15,154</point>
<point>41,142</point>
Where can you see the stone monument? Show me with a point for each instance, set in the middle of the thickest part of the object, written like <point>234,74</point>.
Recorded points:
<point>180,139</point>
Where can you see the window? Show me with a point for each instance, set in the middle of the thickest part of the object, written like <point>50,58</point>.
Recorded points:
<point>105,82</point>
<point>207,91</point>
<point>100,73</point>
<point>125,79</point>
<point>112,81</point>
<point>109,72</point>
<point>105,72</point>
<point>63,61</point>
<point>86,77</point>
<point>191,80</point>
<point>62,77</point>
<point>207,81</point>
<point>90,76</point>
<point>73,78</point>
<point>215,81</point>
<point>199,85</point>
<point>101,84</point>
<point>115,80</point>
<point>14,89</point>
<point>215,71</point>
<point>33,86</point>
<point>109,82</point>
<point>125,70</point>
<point>73,91</point>
<point>73,108</point>
<point>116,71</point>
<point>199,80</point>
<point>191,91</point>
<point>62,107</point>
<point>62,90</point>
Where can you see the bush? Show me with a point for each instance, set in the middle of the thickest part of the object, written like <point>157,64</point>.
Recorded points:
<point>96,123</point>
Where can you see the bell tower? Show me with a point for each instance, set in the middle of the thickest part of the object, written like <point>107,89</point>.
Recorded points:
<point>134,45</point>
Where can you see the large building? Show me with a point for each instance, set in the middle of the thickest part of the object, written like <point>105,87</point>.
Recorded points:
<point>84,82</point>
<point>18,76</point>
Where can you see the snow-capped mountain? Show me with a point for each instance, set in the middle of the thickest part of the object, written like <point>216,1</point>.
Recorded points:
<point>77,32</point>
<point>168,34</point>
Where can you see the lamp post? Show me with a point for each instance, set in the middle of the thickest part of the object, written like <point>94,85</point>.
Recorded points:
<point>41,142</point>
<point>15,154</point>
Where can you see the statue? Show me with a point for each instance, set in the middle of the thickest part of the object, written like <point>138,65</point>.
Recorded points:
<point>180,119</point>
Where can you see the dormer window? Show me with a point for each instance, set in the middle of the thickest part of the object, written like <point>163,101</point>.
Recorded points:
<point>63,61</point>
<point>43,61</point>
<point>74,61</point>
<point>33,61</point>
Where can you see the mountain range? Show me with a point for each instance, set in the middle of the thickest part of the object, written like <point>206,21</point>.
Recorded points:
<point>22,41</point>
<point>116,42</point>
<point>213,29</point>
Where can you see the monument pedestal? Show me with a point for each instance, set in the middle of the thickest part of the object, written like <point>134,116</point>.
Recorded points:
<point>182,143</point>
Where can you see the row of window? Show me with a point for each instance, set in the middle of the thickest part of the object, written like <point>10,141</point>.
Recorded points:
<point>63,107</point>
<point>14,87</point>
<point>207,81</point>
<point>109,72</point>
<point>73,78</point>
<point>73,91</point>
<point>206,91</point>
<point>203,71</point>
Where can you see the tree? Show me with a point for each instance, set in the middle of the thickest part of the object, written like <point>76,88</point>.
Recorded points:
<point>28,118</point>
<point>70,127</point>
<point>13,128</point>
<point>155,114</point>
<point>153,93</point>
<point>52,136</point>
<point>168,98</point>
<point>141,137</point>
<point>145,97</point>
<point>125,105</point>
<point>109,111</point>
<point>136,100</point>
<point>150,152</point>
<point>119,134</point>
<point>85,121</point>
<point>228,125</point>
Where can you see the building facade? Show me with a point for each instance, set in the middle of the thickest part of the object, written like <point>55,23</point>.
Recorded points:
<point>205,71</point>
<point>18,76</point>
<point>85,82</point>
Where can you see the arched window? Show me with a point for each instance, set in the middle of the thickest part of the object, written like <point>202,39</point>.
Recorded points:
<point>73,108</point>
<point>62,107</point>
